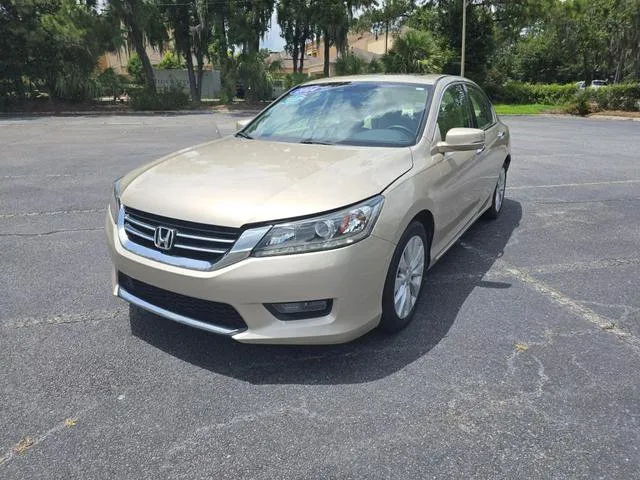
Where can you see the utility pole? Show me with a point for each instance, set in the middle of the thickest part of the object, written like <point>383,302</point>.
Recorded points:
<point>464,35</point>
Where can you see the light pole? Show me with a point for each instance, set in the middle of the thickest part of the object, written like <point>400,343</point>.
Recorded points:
<point>464,35</point>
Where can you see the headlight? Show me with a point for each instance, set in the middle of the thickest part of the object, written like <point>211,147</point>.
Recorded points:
<point>322,233</point>
<point>114,204</point>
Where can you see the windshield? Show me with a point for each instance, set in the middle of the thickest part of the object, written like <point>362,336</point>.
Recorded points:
<point>347,113</point>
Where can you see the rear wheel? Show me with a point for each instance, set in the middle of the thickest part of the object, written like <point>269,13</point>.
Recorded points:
<point>498,195</point>
<point>405,279</point>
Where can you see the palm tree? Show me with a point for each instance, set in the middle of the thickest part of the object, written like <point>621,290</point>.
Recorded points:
<point>414,52</point>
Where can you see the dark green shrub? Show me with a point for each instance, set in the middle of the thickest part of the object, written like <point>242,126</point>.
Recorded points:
<point>110,84</point>
<point>521,93</point>
<point>624,96</point>
<point>135,70</point>
<point>252,72</point>
<point>579,105</point>
<point>293,79</point>
<point>349,64</point>
<point>170,61</point>
<point>172,98</point>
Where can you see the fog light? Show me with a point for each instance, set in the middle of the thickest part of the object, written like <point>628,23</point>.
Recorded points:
<point>300,310</point>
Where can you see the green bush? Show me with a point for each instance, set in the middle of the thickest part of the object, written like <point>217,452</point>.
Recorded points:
<point>579,105</point>
<point>252,71</point>
<point>612,97</point>
<point>349,64</point>
<point>135,70</point>
<point>375,66</point>
<point>170,61</point>
<point>549,94</point>
<point>172,98</point>
<point>110,84</point>
<point>624,96</point>
<point>293,79</point>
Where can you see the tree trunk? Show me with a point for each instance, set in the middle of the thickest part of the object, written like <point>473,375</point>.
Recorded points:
<point>138,44</point>
<point>327,46</point>
<point>200,75</point>
<point>294,56</point>
<point>222,53</point>
<point>302,55</point>
<point>586,70</point>
<point>193,88</point>
<point>386,37</point>
<point>131,20</point>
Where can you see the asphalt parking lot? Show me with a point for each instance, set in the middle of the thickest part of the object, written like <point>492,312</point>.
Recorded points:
<point>523,359</point>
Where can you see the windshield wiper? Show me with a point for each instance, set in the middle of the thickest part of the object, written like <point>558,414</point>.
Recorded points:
<point>315,142</point>
<point>244,135</point>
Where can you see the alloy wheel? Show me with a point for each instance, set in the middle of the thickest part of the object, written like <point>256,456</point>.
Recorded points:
<point>409,276</point>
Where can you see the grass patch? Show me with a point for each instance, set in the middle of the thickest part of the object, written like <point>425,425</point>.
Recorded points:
<point>525,109</point>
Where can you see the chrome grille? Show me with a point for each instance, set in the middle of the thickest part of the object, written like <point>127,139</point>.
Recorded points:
<point>192,240</point>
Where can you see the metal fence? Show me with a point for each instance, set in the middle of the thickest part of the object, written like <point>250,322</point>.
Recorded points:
<point>210,81</point>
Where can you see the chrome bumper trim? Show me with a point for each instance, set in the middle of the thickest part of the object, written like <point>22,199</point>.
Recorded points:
<point>138,302</point>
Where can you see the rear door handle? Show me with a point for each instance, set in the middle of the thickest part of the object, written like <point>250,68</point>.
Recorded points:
<point>501,135</point>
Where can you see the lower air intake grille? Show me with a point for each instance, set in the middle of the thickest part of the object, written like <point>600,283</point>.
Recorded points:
<point>213,313</point>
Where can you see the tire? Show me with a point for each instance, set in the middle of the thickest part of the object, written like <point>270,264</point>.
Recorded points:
<point>397,315</point>
<point>497,201</point>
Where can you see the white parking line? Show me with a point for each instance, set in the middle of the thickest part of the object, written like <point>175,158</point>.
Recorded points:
<point>605,324</point>
<point>586,184</point>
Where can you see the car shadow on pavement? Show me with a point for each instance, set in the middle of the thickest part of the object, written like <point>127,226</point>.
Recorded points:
<point>372,357</point>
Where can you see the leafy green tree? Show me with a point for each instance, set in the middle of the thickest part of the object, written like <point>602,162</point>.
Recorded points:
<point>253,71</point>
<point>249,22</point>
<point>331,21</point>
<point>479,37</point>
<point>385,16</point>
<point>191,25</point>
<point>294,19</point>
<point>414,52</point>
<point>52,46</point>
<point>19,26</point>
<point>143,27</point>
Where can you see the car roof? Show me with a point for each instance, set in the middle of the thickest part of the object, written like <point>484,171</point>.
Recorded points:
<point>419,79</point>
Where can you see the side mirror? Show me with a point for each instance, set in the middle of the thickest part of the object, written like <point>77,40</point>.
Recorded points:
<point>462,140</point>
<point>240,124</point>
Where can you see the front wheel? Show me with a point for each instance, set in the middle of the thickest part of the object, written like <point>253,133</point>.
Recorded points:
<point>498,195</point>
<point>405,279</point>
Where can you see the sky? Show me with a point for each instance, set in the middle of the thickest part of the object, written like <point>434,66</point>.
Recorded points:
<point>272,40</point>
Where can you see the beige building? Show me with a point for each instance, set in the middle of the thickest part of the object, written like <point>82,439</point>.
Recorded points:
<point>362,44</point>
<point>118,61</point>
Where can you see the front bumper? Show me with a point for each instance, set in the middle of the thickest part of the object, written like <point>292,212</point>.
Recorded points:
<point>353,277</point>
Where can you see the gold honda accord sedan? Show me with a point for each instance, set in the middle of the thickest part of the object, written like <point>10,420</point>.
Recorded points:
<point>317,221</point>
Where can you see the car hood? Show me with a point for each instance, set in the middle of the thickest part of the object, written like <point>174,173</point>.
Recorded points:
<point>234,181</point>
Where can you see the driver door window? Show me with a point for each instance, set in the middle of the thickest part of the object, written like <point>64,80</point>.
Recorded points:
<point>481,108</point>
<point>454,110</point>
